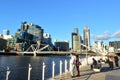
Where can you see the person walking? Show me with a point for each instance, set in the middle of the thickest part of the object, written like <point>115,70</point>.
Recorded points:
<point>116,60</point>
<point>111,61</point>
<point>72,64</point>
<point>78,63</point>
<point>94,63</point>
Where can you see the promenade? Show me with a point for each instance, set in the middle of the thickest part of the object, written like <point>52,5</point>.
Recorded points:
<point>88,74</point>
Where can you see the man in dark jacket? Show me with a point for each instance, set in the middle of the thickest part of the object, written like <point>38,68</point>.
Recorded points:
<point>116,61</point>
<point>94,63</point>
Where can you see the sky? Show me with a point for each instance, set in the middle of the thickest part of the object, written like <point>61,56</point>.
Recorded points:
<point>60,17</point>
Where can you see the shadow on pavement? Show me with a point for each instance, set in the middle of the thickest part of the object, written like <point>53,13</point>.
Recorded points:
<point>105,69</point>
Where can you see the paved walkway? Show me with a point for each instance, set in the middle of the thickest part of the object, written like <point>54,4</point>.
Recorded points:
<point>88,74</point>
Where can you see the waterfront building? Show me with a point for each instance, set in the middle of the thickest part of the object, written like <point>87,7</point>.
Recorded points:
<point>1,35</point>
<point>32,29</point>
<point>76,41</point>
<point>115,44</point>
<point>47,38</point>
<point>3,43</point>
<point>6,32</point>
<point>86,36</point>
<point>61,45</point>
<point>7,37</point>
<point>27,35</point>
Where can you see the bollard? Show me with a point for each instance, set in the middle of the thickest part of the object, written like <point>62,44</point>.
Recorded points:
<point>66,66</point>
<point>53,69</point>
<point>60,67</point>
<point>29,70</point>
<point>43,71</point>
<point>7,73</point>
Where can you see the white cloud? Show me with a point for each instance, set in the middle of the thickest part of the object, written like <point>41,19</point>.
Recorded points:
<point>106,35</point>
<point>116,34</point>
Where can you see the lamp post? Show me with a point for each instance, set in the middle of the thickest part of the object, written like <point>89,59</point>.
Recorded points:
<point>86,52</point>
<point>87,56</point>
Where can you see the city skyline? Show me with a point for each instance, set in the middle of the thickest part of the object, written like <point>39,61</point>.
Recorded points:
<point>61,17</point>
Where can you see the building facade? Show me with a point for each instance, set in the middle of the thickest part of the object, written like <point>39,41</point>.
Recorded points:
<point>61,45</point>
<point>47,38</point>
<point>27,35</point>
<point>86,36</point>
<point>32,30</point>
<point>115,44</point>
<point>3,43</point>
<point>76,41</point>
<point>6,32</point>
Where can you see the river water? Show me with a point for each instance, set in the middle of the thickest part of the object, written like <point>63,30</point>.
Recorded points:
<point>18,66</point>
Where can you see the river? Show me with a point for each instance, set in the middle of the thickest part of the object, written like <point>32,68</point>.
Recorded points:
<point>18,66</point>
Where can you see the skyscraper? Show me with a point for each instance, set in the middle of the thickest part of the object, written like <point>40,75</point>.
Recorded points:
<point>6,32</point>
<point>86,33</point>
<point>76,40</point>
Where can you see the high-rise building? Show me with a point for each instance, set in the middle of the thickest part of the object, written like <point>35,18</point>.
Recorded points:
<point>86,33</point>
<point>32,29</point>
<point>6,32</point>
<point>76,41</point>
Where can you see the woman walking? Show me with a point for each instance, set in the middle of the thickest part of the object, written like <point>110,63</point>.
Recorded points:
<point>78,63</point>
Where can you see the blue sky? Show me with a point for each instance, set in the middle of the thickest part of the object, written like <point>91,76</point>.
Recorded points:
<point>60,17</point>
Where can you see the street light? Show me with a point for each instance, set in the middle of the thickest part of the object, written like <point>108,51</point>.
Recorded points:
<point>87,56</point>
<point>86,52</point>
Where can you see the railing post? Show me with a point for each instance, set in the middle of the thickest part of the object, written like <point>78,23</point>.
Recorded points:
<point>60,67</point>
<point>43,71</point>
<point>66,66</point>
<point>53,69</point>
<point>29,70</point>
<point>34,53</point>
<point>7,73</point>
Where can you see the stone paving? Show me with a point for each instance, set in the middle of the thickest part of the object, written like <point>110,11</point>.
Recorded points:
<point>88,74</point>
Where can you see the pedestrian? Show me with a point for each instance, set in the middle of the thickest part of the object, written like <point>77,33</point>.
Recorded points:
<point>72,64</point>
<point>94,64</point>
<point>116,60</point>
<point>111,60</point>
<point>78,63</point>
